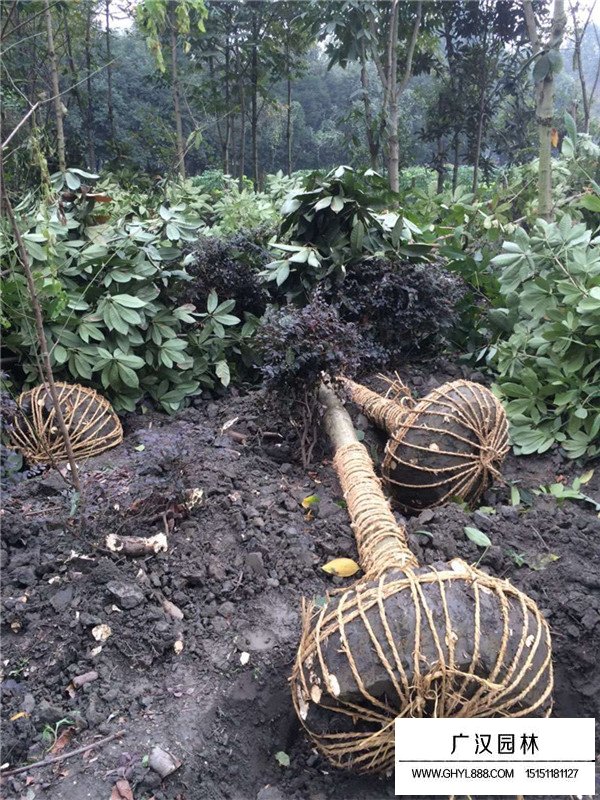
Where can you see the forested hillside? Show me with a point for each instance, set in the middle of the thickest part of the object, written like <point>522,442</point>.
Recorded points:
<point>469,97</point>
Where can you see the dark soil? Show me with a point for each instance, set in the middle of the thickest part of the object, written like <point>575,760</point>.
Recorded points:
<point>237,567</point>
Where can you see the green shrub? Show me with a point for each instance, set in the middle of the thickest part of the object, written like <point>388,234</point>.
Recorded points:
<point>331,223</point>
<point>229,267</point>
<point>549,366</point>
<point>107,292</point>
<point>242,209</point>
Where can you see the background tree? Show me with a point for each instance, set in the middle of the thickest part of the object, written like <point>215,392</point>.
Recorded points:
<point>388,35</point>
<point>582,26</point>
<point>56,94</point>
<point>161,19</point>
<point>546,49</point>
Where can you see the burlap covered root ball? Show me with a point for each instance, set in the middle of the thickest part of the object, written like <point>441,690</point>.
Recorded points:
<point>440,641</point>
<point>445,640</point>
<point>91,422</point>
<point>449,444</point>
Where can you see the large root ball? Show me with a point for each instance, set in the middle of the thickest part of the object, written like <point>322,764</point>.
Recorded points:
<point>450,444</point>
<point>440,641</point>
<point>90,420</point>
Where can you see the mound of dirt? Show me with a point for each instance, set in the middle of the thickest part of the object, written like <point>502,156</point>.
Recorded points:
<point>190,650</point>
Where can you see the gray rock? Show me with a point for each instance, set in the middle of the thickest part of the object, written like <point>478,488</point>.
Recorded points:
<point>362,423</point>
<point>89,619</point>
<point>426,516</point>
<point>290,504</point>
<point>256,564</point>
<point>49,713</point>
<point>87,677</point>
<point>219,625</point>
<point>481,520</point>
<point>23,576</point>
<point>509,512</point>
<point>128,595</point>
<point>270,793</point>
<point>62,599</point>
<point>28,703</point>
<point>226,609</point>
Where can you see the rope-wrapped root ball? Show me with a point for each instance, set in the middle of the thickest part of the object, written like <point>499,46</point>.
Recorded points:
<point>449,444</point>
<point>440,641</point>
<point>91,422</point>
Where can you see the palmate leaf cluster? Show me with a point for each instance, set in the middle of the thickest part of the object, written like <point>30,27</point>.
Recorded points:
<point>549,366</point>
<point>334,221</point>
<point>108,289</point>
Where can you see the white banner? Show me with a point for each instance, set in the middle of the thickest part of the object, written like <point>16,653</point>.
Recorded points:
<point>495,756</point>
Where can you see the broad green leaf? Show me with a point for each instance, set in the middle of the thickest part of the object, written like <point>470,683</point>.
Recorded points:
<point>223,373</point>
<point>128,300</point>
<point>212,302</point>
<point>72,181</point>
<point>478,537</point>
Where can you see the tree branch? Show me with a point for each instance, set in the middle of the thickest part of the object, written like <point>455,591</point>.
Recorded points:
<point>411,49</point>
<point>21,123</point>
<point>531,25</point>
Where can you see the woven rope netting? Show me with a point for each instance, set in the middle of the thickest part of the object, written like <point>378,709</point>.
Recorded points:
<point>449,444</point>
<point>91,422</point>
<point>442,641</point>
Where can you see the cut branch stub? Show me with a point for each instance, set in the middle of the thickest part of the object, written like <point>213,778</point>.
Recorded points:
<point>445,640</point>
<point>450,444</point>
<point>90,420</point>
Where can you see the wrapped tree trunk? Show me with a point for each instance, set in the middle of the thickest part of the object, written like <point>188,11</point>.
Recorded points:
<point>449,444</point>
<point>439,641</point>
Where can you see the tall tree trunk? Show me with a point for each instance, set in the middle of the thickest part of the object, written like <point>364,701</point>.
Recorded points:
<point>440,164</point>
<point>233,163</point>
<point>288,126</point>
<point>455,160</point>
<point>227,140</point>
<point>478,138</point>
<point>544,97</point>
<point>111,115</point>
<point>72,67</point>
<point>584,94</point>
<point>90,98</point>
<point>176,103</point>
<point>58,105</point>
<point>394,90</point>
<point>392,121</point>
<point>242,160</point>
<point>456,91</point>
<point>372,140</point>
<point>480,110</point>
<point>254,101</point>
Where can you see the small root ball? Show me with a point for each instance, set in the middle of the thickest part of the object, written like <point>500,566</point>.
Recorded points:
<point>440,641</point>
<point>90,420</point>
<point>450,444</point>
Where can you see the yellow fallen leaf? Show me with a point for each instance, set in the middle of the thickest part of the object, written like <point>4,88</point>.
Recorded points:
<point>342,567</point>
<point>310,501</point>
